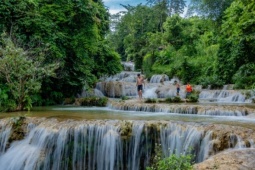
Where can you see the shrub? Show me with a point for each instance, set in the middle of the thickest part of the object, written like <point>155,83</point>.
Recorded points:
<point>193,97</point>
<point>176,99</point>
<point>244,77</point>
<point>149,100</point>
<point>173,162</point>
<point>168,100</point>
<point>124,98</point>
<point>93,101</point>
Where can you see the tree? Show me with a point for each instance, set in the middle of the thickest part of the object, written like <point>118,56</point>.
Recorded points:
<point>22,72</point>
<point>173,6</point>
<point>72,31</point>
<point>213,9</point>
<point>237,41</point>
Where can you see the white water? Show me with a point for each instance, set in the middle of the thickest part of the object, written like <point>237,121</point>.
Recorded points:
<point>99,145</point>
<point>183,109</point>
<point>224,96</point>
<point>5,131</point>
<point>160,86</point>
<point>159,78</point>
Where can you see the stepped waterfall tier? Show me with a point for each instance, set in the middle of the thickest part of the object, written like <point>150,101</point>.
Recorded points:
<point>110,144</point>
<point>217,130</point>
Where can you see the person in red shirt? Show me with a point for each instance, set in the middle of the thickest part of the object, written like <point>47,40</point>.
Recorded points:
<point>188,89</point>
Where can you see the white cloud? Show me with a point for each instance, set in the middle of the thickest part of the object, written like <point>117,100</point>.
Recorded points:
<point>115,7</point>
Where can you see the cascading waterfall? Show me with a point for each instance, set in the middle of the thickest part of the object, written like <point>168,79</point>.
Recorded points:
<point>102,145</point>
<point>182,109</point>
<point>5,131</point>
<point>229,96</point>
<point>159,78</point>
<point>176,140</point>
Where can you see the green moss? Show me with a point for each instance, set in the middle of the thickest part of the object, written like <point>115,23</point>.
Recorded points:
<point>18,132</point>
<point>93,101</point>
<point>149,100</point>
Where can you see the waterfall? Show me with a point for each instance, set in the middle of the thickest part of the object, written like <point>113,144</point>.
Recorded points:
<point>128,66</point>
<point>103,145</point>
<point>159,78</point>
<point>5,131</point>
<point>150,93</point>
<point>182,109</point>
<point>228,96</point>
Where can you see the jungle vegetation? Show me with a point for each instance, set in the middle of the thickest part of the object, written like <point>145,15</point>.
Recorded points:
<point>213,44</point>
<point>51,50</point>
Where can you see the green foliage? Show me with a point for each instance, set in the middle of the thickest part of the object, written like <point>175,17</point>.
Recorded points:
<point>213,9</point>
<point>173,162</point>
<point>168,100</point>
<point>93,101</point>
<point>6,103</point>
<point>22,72</point>
<point>73,34</point>
<point>207,49</point>
<point>149,100</point>
<point>124,98</point>
<point>175,99</point>
<point>245,76</point>
<point>172,6</point>
<point>237,40</point>
<point>132,32</point>
<point>193,97</point>
<point>214,81</point>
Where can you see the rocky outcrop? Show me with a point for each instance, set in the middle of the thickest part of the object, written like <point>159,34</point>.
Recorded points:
<point>240,159</point>
<point>117,89</point>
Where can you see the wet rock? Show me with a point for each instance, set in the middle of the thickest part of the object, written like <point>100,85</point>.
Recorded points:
<point>240,159</point>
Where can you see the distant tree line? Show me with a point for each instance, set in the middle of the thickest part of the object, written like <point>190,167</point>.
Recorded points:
<point>51,49</point>
<point>213,44</point>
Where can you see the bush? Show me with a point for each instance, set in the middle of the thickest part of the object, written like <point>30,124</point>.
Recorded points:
<point>245,77</point>
<point>173,162</point>
<point>168,100</point>
<point>176,99</point>
<point>124,98</point>
<point>93,101</point>
<point>214,81</point>
<point>193,97</point>
<point>150,100</point>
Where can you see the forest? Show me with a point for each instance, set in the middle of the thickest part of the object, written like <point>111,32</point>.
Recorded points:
<point>213,44</point>
<point>51,50</point>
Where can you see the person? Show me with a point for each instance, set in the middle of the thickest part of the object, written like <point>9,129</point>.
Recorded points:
<point>177,87</point>
<point>139,84</point>
<point>162,79</point>
<point>188,89</point>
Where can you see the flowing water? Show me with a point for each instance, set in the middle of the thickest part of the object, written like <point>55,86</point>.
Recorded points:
<point>125,135</point>
<point>103,138</point>
<point>100,138</point>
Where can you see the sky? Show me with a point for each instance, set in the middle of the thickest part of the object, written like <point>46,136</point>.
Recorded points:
<point>115,7</point>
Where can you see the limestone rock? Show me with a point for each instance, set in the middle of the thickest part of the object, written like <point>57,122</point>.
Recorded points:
<point>239,159</point>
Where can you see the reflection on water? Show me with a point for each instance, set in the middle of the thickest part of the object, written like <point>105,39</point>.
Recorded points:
<point>104,113</point>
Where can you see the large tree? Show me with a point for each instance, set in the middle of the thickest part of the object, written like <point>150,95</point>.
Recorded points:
<point>73,31</point>
<point>173,6</point>
<point>22,72</point>
<point>236,54</point>
<point>213,9</point>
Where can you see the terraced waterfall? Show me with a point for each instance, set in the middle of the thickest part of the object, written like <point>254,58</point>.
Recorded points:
<point>124,135</point>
